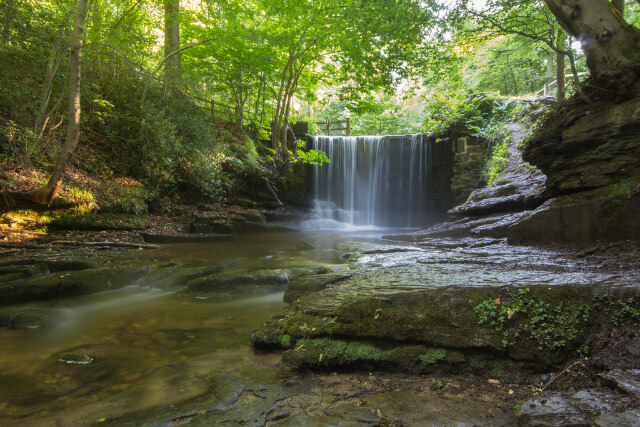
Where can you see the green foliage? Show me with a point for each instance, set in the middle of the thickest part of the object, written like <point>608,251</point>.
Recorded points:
<point>619,311</point>
<point>498,160</point>
<point>446,106</point>
<point>285,340</point>
<point>82,198</point>
<point>311,156</point>
<point>551,326</point>
<point>132,200</point>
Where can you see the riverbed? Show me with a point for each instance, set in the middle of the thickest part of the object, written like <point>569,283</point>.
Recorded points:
<point>147,353</point>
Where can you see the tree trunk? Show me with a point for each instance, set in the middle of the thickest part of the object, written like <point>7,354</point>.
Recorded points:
<point>55,59</point>
<point>46,194</point>
<point>611,45</point>
<point>173,69</point>
<point>561,81</point>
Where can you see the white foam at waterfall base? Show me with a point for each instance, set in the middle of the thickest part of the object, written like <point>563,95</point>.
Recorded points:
<point>371,182</point>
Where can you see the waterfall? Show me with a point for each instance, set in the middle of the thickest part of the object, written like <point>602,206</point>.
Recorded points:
<point>371,181</point>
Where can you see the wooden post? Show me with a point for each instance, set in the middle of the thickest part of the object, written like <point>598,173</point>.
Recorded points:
<point>348,126</point>
<point>328,127</point>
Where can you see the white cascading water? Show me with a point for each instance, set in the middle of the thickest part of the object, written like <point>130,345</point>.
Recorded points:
<point>371,181</point>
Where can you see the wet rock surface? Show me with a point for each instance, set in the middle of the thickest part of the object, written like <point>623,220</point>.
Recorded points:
<point>342,400</point>
<point>583,408</point>
<point>442,295</point>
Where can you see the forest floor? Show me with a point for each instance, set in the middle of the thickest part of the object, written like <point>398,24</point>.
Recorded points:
<point>105,208</point>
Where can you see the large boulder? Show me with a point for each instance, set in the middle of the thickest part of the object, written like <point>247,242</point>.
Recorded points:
<point>610,213</point>
<point>587,147</point>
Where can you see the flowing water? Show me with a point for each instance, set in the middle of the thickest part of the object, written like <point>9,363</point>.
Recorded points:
<point>149,347</point>
<point>372,181</point>
<point>149,354</point>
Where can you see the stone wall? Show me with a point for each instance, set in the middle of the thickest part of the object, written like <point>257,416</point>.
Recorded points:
<point>468,161</point>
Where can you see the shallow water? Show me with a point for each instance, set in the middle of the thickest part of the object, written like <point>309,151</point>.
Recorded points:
<point>149,346</point>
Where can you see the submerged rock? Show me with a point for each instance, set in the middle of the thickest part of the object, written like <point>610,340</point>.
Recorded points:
<point>232,280</point>
<point>71,283</point>
<point>583,408</point>
<point>24,319</point>
<point>75,359</point>
<point>185,237</point>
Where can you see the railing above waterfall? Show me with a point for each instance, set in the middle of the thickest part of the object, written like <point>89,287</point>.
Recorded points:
<point>329,126</point>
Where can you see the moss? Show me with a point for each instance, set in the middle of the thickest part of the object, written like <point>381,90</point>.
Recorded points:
<point>329,353</point>
<point>285,340</point>
<point>433,356</point>
<point>626,188</point>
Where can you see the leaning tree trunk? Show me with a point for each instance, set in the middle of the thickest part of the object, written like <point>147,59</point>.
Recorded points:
<point>46,194</point>
<point>611,45</point>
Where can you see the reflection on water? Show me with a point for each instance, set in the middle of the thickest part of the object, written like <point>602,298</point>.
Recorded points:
<point>149,347</point>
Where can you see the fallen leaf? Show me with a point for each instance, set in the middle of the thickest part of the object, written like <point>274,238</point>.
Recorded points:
<point>136,325</point>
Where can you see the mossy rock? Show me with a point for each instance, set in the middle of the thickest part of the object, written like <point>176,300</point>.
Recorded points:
<point>560,319</point>
<point>21,272</point>
<point>23,319</point>
<point>96,221</point>
<point>216,282</point>
<point>69,284</point>
<point>327,353</point>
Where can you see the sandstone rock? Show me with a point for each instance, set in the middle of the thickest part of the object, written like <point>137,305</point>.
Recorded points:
<point>588,148</point>
<point>597,215</point>
<point>517,194</point>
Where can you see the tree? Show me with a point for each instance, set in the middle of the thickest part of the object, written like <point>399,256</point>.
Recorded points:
<point>612,46</point>
<point>46,194</point>
<point>172,53</point>
<point>530,20</point>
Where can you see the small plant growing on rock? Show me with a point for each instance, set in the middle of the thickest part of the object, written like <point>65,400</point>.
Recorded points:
<point>552,327</point>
